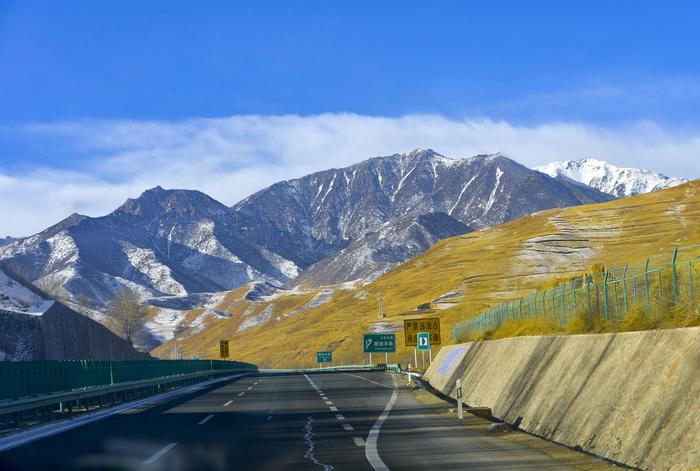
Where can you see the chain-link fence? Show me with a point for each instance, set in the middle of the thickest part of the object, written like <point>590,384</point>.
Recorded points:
<point>654,286</point>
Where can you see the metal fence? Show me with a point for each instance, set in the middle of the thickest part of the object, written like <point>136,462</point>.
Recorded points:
<point>32,378</point>
<point>655,285</point>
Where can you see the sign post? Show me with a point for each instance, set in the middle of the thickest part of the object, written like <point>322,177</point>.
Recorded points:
<point>223,349</point>
<point>423,345</point>
<point>324,357</point>
<point>379,343</point>
<point>428,325</point>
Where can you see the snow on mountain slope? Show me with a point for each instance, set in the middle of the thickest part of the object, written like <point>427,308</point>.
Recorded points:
<point>16,298</point>
<point>608,178</point>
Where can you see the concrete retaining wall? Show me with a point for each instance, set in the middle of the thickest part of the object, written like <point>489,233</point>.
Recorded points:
<point>631,397</point>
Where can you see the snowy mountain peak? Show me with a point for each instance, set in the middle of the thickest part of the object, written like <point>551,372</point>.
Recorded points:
<point>608,178</point>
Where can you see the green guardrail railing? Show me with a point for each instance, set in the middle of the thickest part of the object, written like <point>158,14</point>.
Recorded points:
<point>654,285</point>
<point>34,378</point>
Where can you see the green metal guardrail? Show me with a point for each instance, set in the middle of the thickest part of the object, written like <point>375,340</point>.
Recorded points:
<point>654,285</point>
<point>34,378</point>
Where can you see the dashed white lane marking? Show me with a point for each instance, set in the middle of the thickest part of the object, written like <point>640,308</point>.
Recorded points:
<point>333,409</point>
<point>160,453</point>
<point>205,419</point>
<point>250,387</point>
<point>269,417</point>
<point>348,427</point>
<point>330,403</point>
<point>226,404</point>
<point>371,452</point>
<point>340,416</point>
<point>358,441</point>
<point>241,394</point>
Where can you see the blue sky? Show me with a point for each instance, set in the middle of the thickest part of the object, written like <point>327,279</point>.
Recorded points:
<point>87,86</point>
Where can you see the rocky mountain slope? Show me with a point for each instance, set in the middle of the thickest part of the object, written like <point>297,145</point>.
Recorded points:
<point>608,178</point>
<point>166,242</point>
<point>33,327</point>
<point>376,252</point>
<point>307,219</point>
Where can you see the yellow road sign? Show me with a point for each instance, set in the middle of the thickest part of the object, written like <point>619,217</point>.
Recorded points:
<point>223,348</point>
<point>412,327</point>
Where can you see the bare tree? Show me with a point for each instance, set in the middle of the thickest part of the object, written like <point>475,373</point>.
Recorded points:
<point>127,314</point>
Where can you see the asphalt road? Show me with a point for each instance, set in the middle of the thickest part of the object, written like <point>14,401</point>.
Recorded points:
<point>327,421</point>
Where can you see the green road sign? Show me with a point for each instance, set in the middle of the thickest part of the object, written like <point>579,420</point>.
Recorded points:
<point>324,357</point>
<point>379,343</point>
<point>423,341</point>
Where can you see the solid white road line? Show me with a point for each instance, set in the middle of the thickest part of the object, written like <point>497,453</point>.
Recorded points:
<point>226,404</point>
<point>160,453</point>
<point>205,419</point>
<point>368,380</point>
<point>371,452</point>
<point>358,441</point>
<point>348,427</point>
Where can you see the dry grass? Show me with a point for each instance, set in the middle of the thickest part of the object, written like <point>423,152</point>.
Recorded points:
<point>486,267</point>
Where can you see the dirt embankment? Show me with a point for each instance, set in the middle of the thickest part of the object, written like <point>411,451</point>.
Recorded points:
<point>631,397</point>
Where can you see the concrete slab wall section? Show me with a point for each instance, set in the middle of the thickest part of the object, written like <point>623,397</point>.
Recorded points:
<point>632,397</point>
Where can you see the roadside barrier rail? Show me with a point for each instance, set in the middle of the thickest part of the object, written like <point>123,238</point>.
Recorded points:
<point>655,286</point>
<point>35,378</point>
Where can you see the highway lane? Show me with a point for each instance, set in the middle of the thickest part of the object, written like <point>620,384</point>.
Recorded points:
<point>326,421</point>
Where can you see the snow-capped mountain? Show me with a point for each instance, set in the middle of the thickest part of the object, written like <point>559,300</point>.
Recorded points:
<point>608,178</point>
<point>7,240</point>
<point>166,242</point>
<point>310,218</point>
<point>173,243</point>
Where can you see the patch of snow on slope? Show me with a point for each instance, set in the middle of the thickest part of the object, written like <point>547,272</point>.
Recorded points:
<point>145,261</point>
<point>16,298</point>
<point>165,324</point>
<point>256,320</point>
<point>492,197</point>
<point>608,178</point>
<point>459,198</point>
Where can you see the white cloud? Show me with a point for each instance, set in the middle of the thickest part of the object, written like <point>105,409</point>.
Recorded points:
<point>230,158</point>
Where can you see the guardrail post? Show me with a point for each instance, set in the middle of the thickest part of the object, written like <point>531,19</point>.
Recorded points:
<point>460,411</point>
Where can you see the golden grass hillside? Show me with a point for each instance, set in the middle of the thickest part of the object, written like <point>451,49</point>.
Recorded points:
<point>459,277</point>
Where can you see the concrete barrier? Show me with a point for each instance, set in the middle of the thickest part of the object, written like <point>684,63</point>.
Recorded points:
<point>631,397</point>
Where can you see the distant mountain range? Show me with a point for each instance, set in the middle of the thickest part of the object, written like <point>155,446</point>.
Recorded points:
<point>608,178</point>
<point>328,227</point>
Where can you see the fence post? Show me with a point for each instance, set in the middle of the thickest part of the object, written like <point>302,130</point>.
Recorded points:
<point>520,309</point>
<point>605,296</point>
<point>661,290</point>
<point>573,297</point>
<point>563,306</point>
<point>624,289</point>
<point>588,295</point>
<point>690,282</point>
<point>646,284</point>
<point>675,276</point>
